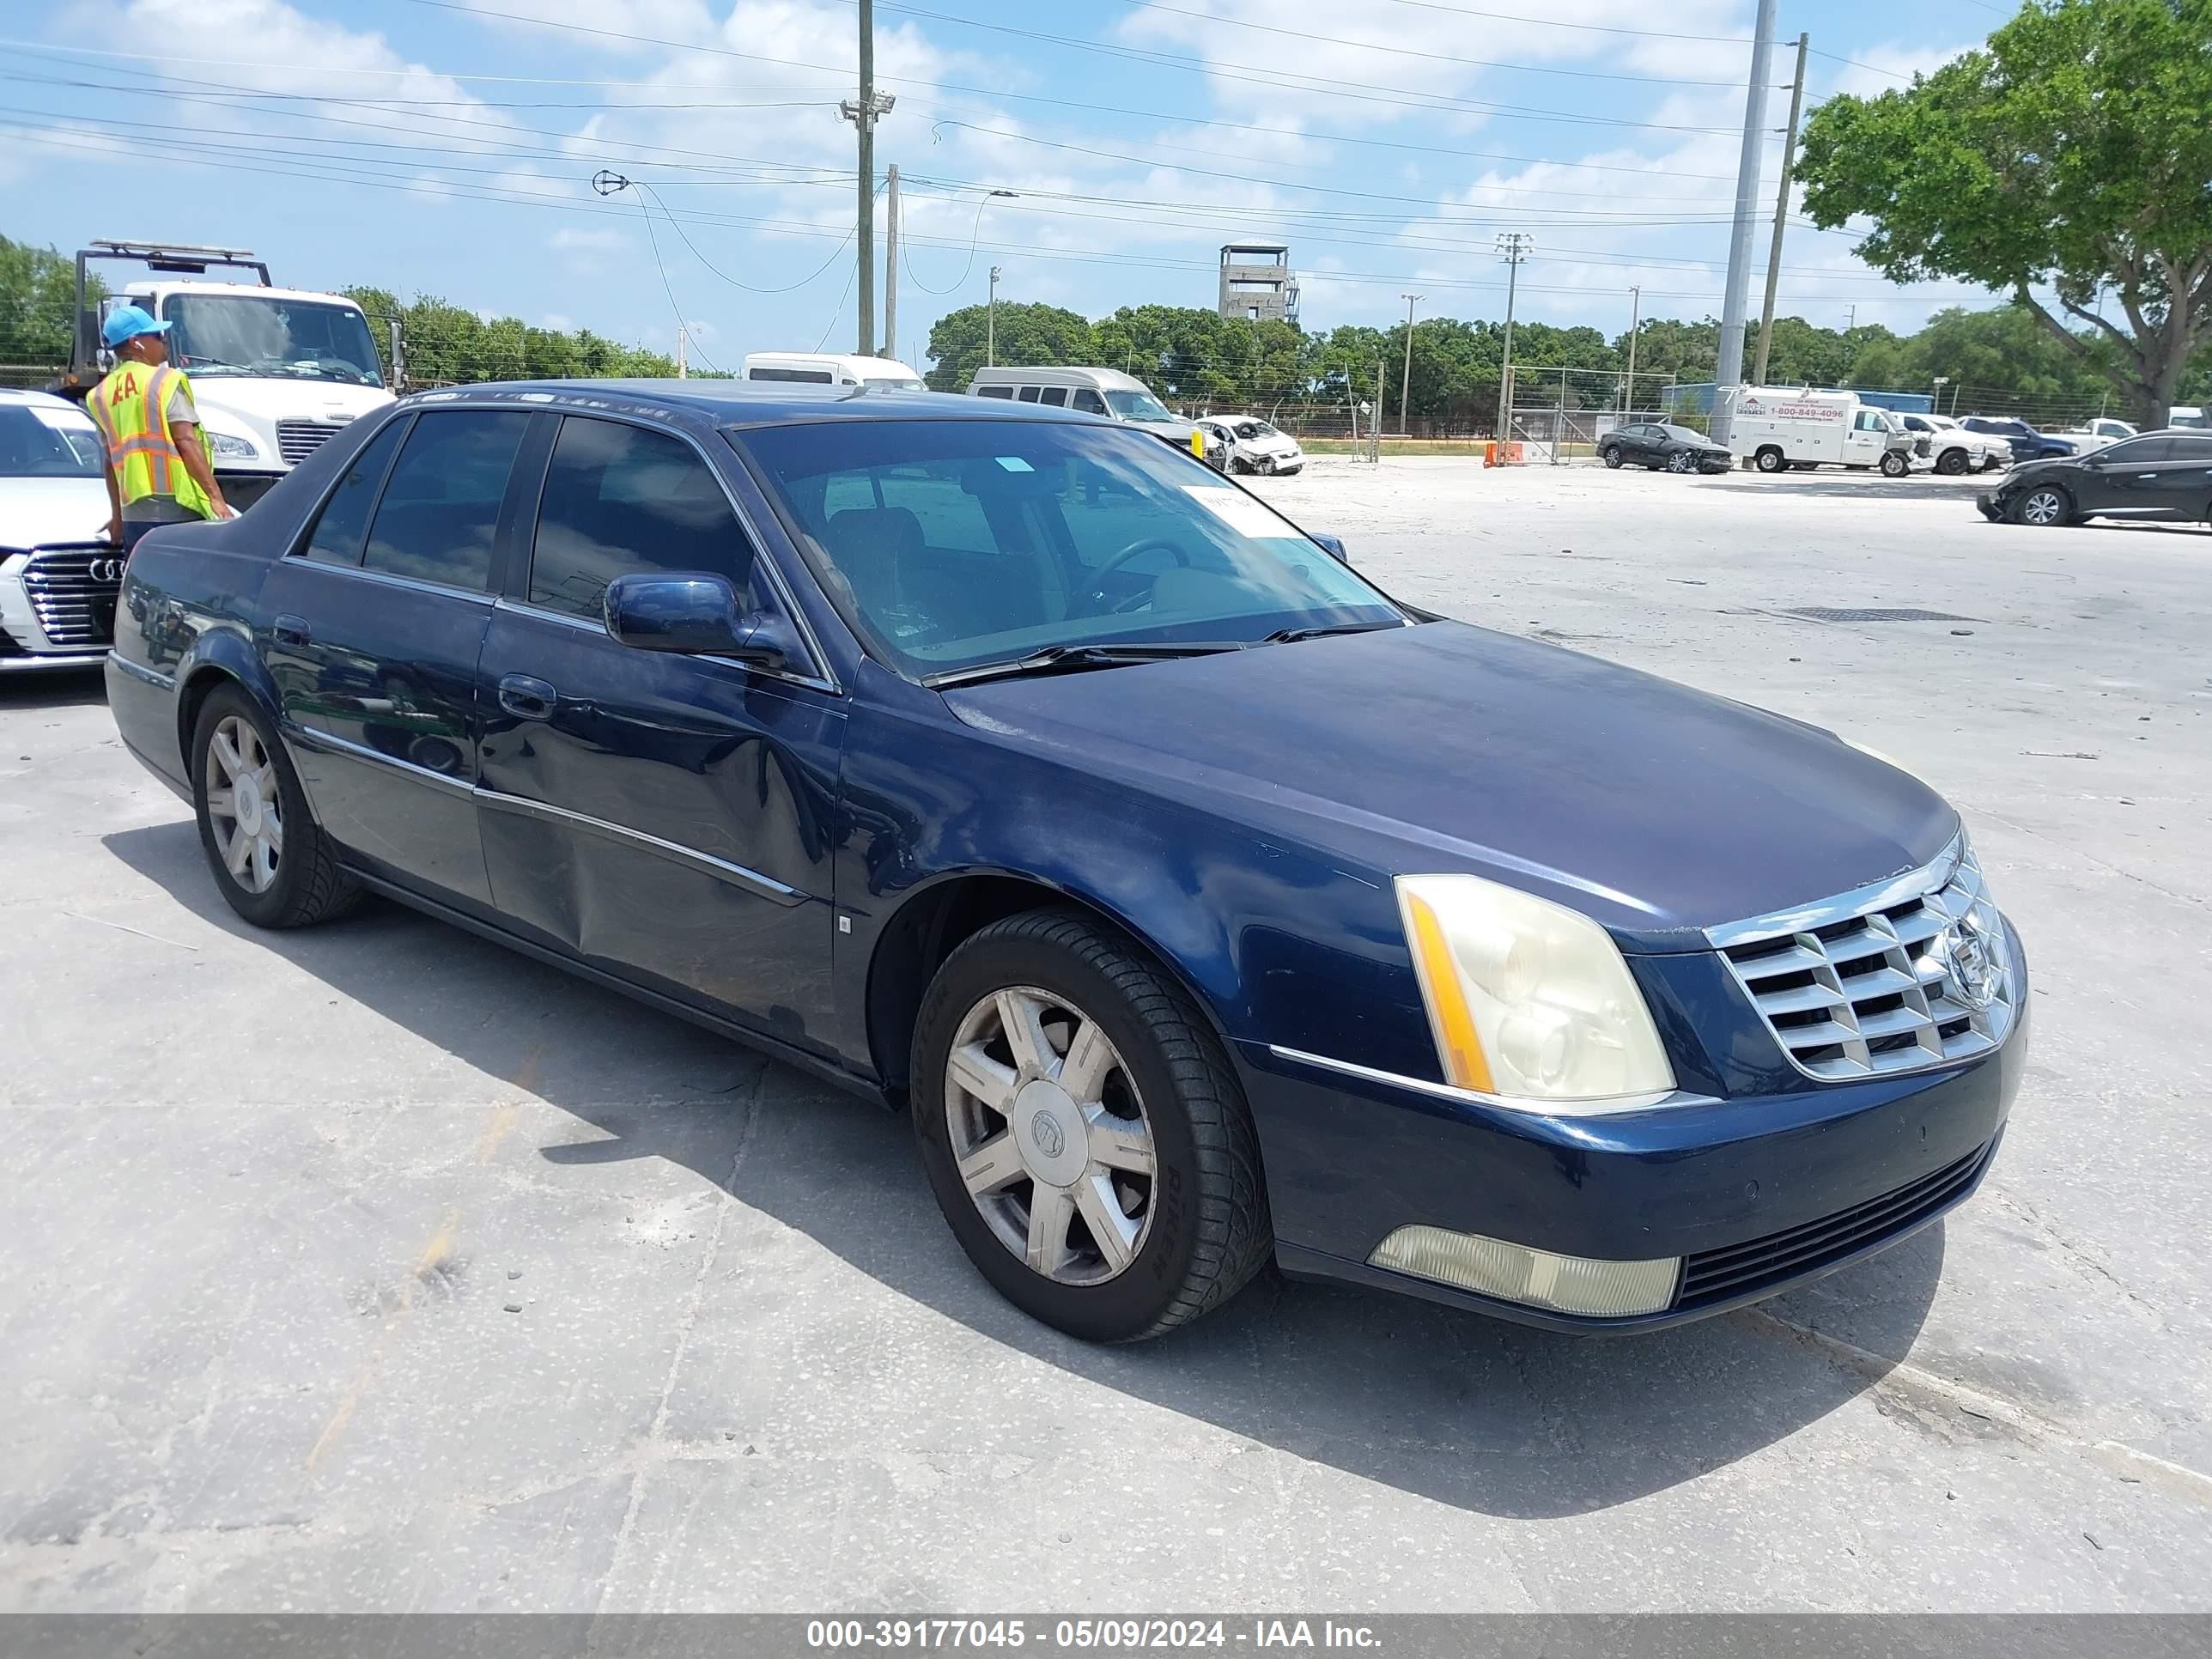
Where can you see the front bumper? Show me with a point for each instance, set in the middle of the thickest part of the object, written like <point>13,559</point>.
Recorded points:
<point>58,606</point>
<point>1989,506</point>
<point>1755,1195</point>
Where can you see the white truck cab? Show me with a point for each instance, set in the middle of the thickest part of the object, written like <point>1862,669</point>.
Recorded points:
<point>1957,449</point>
<point>1778,428</point>
<point>274,371</point>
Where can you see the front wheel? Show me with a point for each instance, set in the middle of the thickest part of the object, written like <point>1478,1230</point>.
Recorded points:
<point>1894,465</point>
<point>1769,459</point>
<point>1682,461</point>
<point>1082,1132</point>
<point>2044,507</point>
<point>275,866</point>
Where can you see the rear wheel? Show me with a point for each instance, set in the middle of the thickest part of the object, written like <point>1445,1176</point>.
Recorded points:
<point>1610,455</point>
<point>1082,1132</point>
<point>1769,459</point>
<point>2044,506</point>
<point>274,867</point>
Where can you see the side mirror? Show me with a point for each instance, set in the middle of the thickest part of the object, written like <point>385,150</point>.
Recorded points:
<point>1333,545</point>
<point>695,615</point>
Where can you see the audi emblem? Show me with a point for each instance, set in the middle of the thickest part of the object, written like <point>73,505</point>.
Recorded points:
<point>106,570</point>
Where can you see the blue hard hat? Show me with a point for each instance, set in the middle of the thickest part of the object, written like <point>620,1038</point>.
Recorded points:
<point>128,323</point>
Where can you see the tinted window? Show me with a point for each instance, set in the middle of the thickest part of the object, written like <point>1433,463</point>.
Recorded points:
<point>338,531</point>
<point>805,376</point>
<point>1054,395</point>
<point>620,499</point>
<point>1089,401</point>
<point>2191,449</point>
<point>2138,453</point>
<point>436,521</point>
<point>1029,394</point>
<point>994,390</point>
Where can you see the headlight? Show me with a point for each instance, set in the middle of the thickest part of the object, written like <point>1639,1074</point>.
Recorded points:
<point>1529,1001</point>
<point>221,443</point>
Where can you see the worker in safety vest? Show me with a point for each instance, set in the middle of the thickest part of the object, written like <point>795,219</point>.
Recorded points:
<point>158,471</point>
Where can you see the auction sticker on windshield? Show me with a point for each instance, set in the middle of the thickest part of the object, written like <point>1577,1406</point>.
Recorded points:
<point>1240,512</point>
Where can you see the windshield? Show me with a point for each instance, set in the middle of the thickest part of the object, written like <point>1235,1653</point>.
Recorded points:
<point>1684,431</point>
<point>2189,417</point>
<point>246,334</point>
<point>952,543</point>
<point>1137,406</point>
<point>895,383</point>
<point>37,443</point>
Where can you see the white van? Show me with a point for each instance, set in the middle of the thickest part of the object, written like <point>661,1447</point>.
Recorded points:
<point>1105,391</point>
<point>1777,427</point>
<point>825,369</point>
<point>2189,415</point>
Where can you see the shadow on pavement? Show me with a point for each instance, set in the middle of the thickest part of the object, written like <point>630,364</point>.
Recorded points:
<point>52,688</point>
<point>1485,1416</point>
<point>1852,487</point>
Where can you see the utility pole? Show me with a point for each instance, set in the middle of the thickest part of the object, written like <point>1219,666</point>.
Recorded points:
<point>1727,375</point>
<point>890,259</point>
<point>1781,214</point>
<point>991,322</point>
<point>681,373</point>
<point>1635,322</point>
<point>1405,380</point>
<point>1381,401</point>
<point>1514,246</point>
<point>1850,316</point>
<point>863,114</point>
<point>399,354</point>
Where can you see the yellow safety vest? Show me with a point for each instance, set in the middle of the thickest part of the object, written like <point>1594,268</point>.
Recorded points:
<point>131,409</point>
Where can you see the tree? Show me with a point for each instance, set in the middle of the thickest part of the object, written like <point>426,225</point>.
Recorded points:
<point>2072,156</point>
<point>37,288</point>
<point>1033,336</point>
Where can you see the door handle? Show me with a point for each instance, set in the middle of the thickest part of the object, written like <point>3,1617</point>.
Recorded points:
<point>2146,478</point>
<point>292,631</point>
<point>526,698</point>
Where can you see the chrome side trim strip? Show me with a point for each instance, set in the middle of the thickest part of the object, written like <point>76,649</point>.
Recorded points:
<point>766,886</point>
<point>1929,878</point>
<point>52,659</point>
<point>315,739</point>
<point>1556,1109</point>
<point>389,578</point>
<point>139,671</point>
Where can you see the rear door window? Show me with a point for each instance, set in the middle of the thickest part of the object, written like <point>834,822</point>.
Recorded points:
<point>2196,450</point>
<point>620,499</point>
<point>343,523</point>
<point>1029,393</point>
<point>1054,395</point>
<point>435,519</point>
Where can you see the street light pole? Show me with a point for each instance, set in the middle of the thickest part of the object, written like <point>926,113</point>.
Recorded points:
<point>890,258</point>
<point>991,322</point>
<point>1635,322</point>
<point>1728,374</point>
<point>1405,380</point>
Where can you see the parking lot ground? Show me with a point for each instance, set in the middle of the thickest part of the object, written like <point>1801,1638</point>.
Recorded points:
<point>375,1267</point>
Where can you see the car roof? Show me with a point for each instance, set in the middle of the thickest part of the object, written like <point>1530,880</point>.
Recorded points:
<point>750,402</point>
<point>9,394</point>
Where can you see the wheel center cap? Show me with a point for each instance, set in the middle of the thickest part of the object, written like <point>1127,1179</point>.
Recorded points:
<point>246,801</point>
<point>1049,1130</point>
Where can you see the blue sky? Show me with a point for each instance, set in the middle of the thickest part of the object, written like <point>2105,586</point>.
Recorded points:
<point>420,145</point>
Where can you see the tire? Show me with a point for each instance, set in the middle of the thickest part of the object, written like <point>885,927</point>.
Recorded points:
<point>1201,1225</point>
<point>1894,465</point>
<point>1991,462</point>
<point>1610,455</point>
<point>2044,506</point>
<point>299,883</point>
<point>1952,462</point>
<point>1769,459</point>
<point>1682,461</point>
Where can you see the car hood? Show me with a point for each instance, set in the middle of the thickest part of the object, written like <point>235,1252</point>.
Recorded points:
<point>37,512</point>
<point>1657,810</point>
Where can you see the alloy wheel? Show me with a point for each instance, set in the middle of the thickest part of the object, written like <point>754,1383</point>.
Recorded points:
<point>1679,461</point>
<point>1050,1135</point>
<point>243,804</point>
<point>2044,507</point>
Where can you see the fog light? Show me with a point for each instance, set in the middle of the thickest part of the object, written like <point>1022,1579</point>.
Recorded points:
<point>1514,1272</point>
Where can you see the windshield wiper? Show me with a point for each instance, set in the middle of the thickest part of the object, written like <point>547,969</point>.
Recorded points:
<point>1286,635</point>
<point>1062,658</point>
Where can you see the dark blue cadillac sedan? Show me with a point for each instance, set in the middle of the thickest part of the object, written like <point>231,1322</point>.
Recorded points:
<point>1200,904</point>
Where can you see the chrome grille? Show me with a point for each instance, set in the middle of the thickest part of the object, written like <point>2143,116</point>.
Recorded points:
<point>1906,974</point>
<point>72,592</point>
<point>297,440</point>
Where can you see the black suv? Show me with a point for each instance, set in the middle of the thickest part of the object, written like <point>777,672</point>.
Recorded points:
<point>2160,475</point>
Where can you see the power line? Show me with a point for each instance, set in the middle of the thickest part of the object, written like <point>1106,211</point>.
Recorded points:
<point>1555,23</point>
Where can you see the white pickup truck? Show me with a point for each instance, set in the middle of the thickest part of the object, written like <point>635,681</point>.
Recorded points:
<point>1956,450</point>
